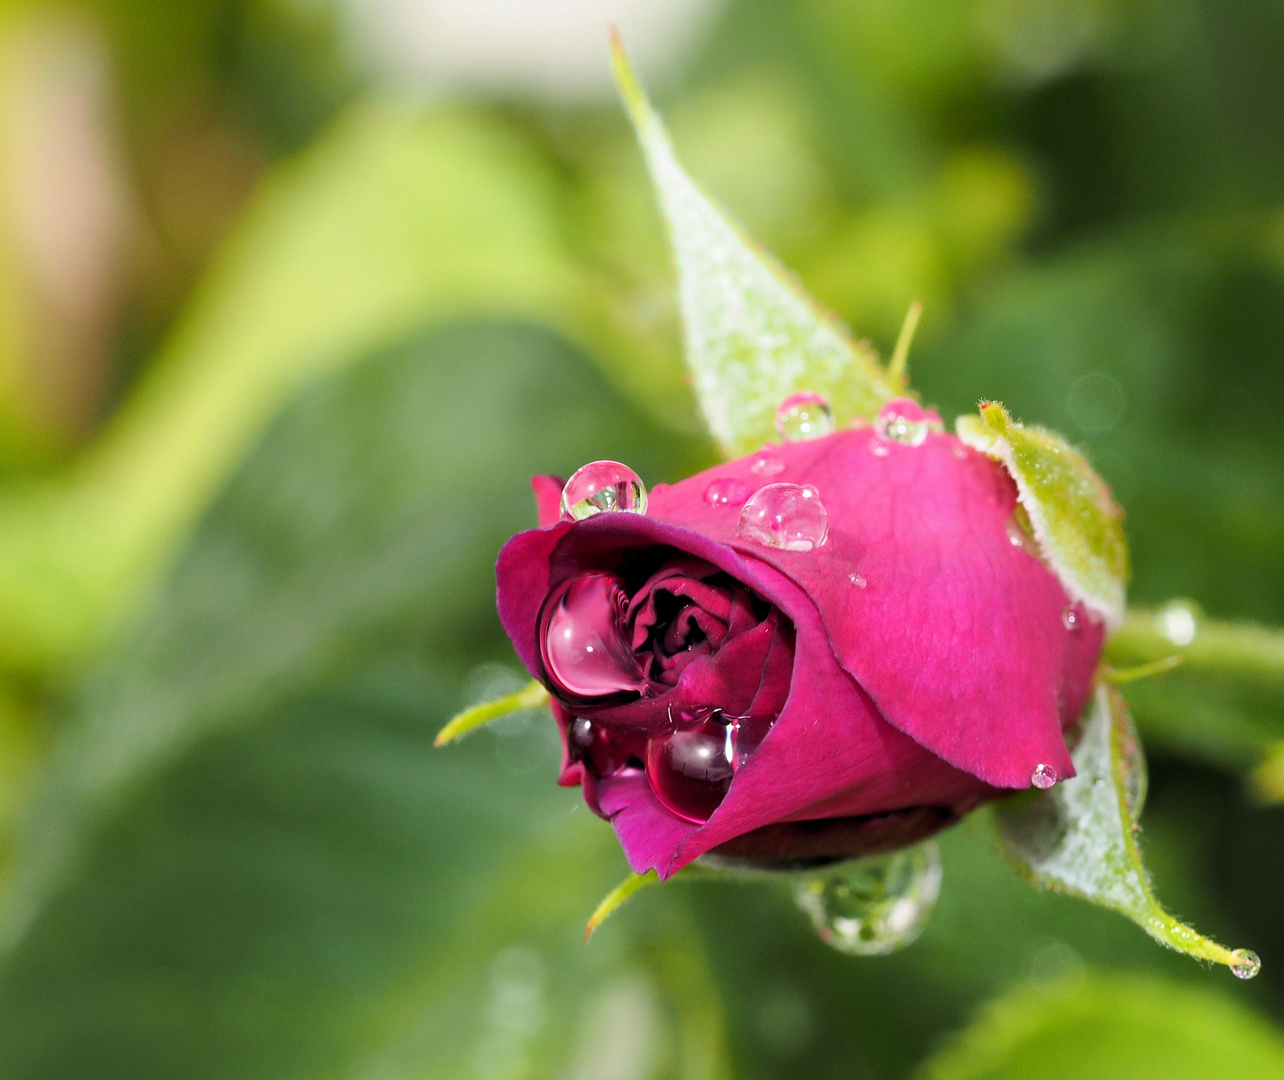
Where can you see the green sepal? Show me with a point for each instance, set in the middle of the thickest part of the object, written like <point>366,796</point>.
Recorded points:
<point>1076,523</point>
<point>616,898</point>
<point>1080,837</point>
<point>753,337</point>
<point>530,696</point>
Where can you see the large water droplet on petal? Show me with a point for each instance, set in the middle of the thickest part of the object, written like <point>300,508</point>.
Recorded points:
<point>584,649</point>
<point>1247,964</point>
<point>804,415</point>
<point>877,905</point>
<point>788,516</point>
<point>1043,777</point>
<point>766,464</point>
<point>905,422</point>
<point>727,491</point>
<point>602,487</point>
<point>690,768</point>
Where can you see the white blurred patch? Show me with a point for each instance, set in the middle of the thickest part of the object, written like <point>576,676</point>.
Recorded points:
<point>550,49</point>
<point>622,1034</point>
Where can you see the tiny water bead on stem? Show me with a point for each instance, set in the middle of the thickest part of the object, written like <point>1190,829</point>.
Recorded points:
<point>804,415</point>
<point>602,487</point>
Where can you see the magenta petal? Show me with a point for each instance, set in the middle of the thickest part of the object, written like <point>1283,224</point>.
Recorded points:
<point>647,832</point>
<point>956,633</point>
<point>548,498</point>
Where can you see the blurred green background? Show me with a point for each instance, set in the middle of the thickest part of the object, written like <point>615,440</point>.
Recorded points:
<point>296,294</point>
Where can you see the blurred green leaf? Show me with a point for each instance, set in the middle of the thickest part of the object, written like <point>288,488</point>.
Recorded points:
<point>752,336</point>
<point>1112,1028</point>
<point>247,859</point>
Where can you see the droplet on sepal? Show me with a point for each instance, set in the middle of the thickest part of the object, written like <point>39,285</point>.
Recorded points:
<point>805,415</point>
<point>728,491</point>
<point>766,464</point>
<point>1043,777</point>
<point>899,424</point>
<point>602,487</point>
<point>1247,964</point>
<point>786,516</point>
<point>877,905</point>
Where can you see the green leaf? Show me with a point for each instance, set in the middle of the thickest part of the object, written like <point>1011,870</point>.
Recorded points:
<point>1112,1028</point>
<point>530,696</point>
<point>1078,527</point>
<point>362,529</point>
<point>1080,836</point>
<point>753,337</point>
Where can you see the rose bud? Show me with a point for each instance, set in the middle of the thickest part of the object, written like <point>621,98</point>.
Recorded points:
<point>832,648</point>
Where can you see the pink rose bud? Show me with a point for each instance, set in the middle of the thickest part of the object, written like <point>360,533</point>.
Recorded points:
<point>830,648</point>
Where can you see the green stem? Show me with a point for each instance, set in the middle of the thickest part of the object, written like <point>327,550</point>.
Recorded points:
<point>1227,651</point>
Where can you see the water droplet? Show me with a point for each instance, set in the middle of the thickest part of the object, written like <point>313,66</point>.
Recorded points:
<point>602,487</point>
<point>804,415</point>
<point>788,516</point>
<point>1070,619</point>
<point>906,422</point>
<point>1043,777</point>
<point>959,453</point>
<point>583,648</point>
<point>766,464</point>
<point>690,766</point>
<point>857,580</point>
<point>879,448</point>
<point>1247,964</point>
<point>1016,535</point>
<point>727,491</point>
<point>1178,622</point>
<point>877,905</point>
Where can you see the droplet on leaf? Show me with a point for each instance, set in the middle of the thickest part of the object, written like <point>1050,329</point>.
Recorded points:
<point>786,516</point>
<point>877,905</point>
<point>805,415</point>
<point>1247,964</point>
<point>602,487</point>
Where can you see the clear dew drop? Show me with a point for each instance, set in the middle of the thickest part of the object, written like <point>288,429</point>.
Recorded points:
<point>786,516</point>
<point>1070,619</point>
<point>766,464</point>
<point>602,487</point>
<point>874,906</point>
<point>1247,964</point>
<point>1043,777</point>
<point>805,415</point>
<point>727,491</point>
<point>879,448</point>
<point>857,580</point>
<point>895,424</point>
